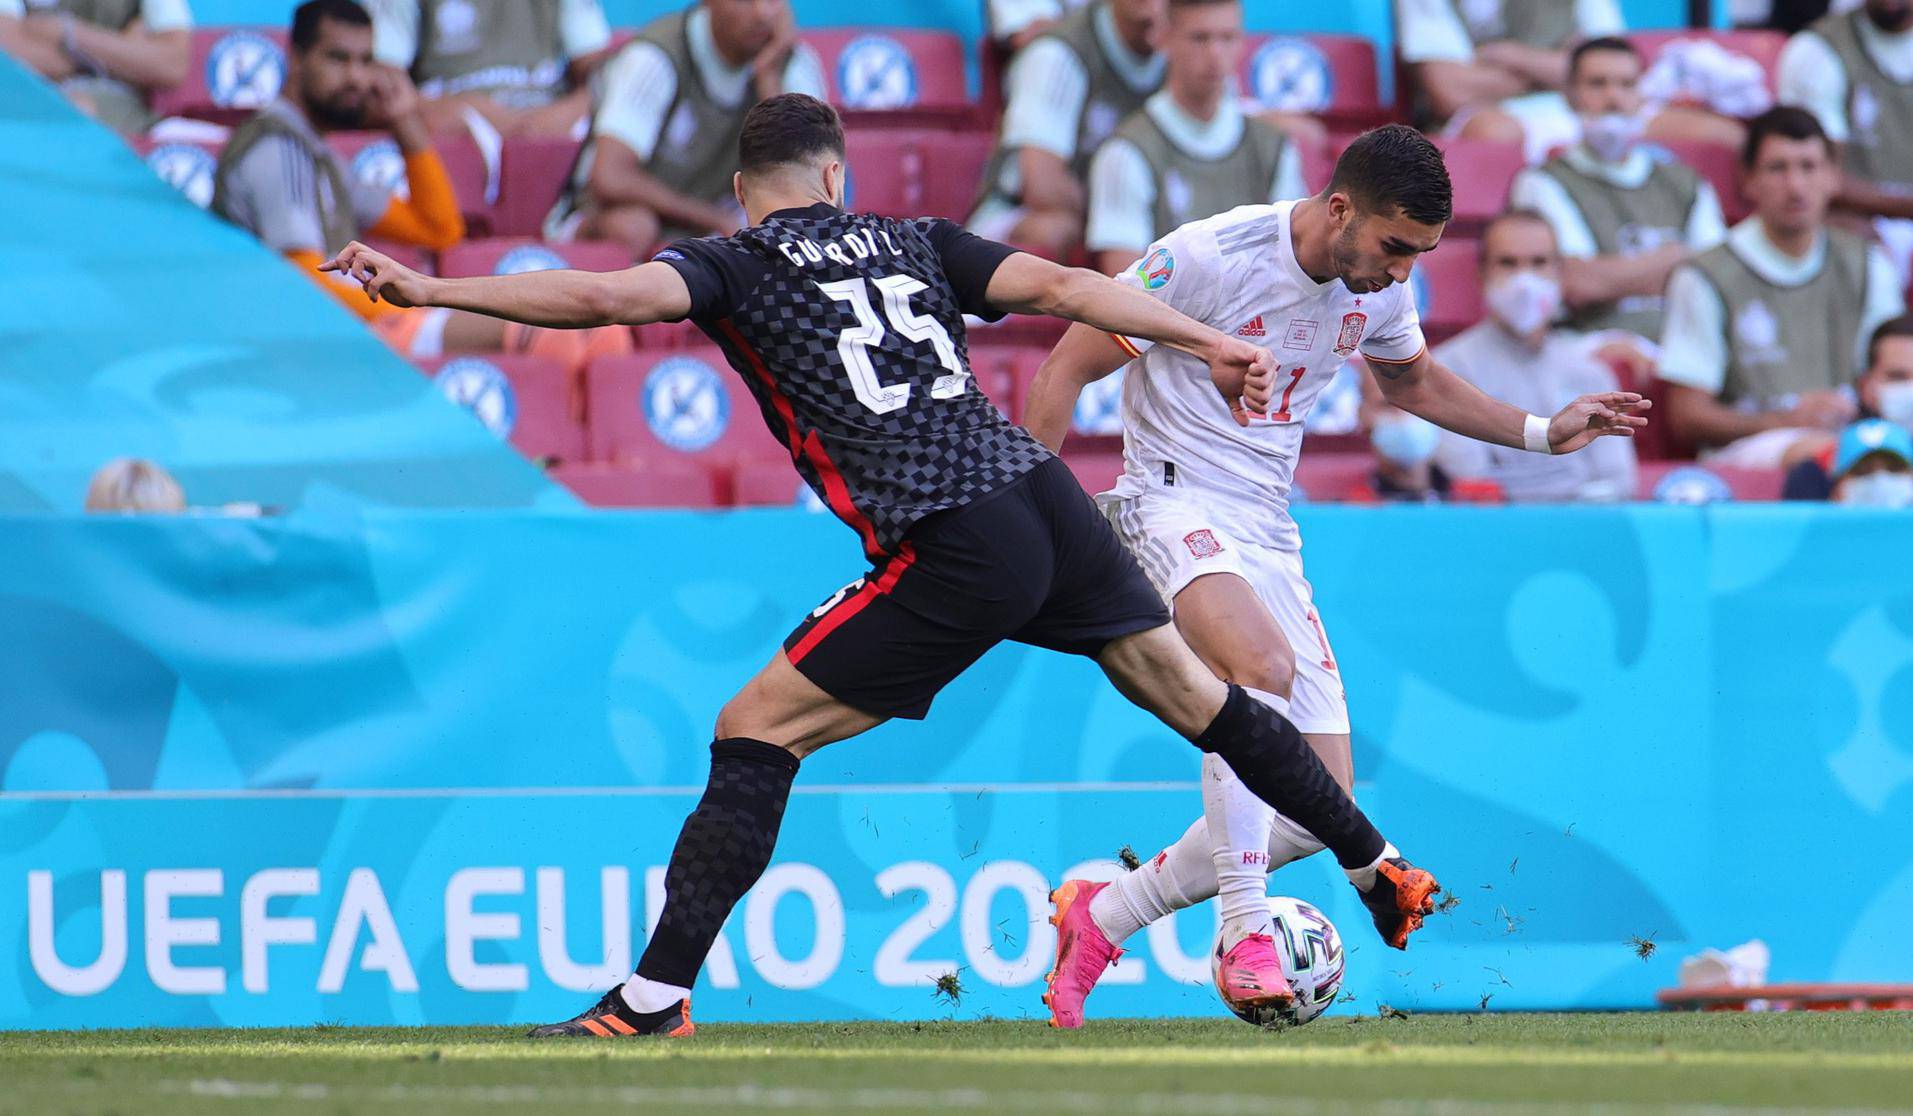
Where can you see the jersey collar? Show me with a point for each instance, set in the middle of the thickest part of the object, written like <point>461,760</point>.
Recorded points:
<point>816,211</point>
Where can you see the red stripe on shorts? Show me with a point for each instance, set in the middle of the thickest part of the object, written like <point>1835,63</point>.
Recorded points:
<point>850,606</point>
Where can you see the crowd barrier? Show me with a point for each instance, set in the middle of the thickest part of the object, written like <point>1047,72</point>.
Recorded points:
<point>424,767</point>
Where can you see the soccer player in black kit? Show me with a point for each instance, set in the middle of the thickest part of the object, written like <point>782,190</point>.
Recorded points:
<point>849,330</point>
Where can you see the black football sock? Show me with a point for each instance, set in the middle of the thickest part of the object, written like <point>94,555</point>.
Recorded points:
<point>722,850</point>
<point>1268,754</point>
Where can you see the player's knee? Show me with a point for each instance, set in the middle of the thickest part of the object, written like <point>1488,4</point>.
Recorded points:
<point>1271,670</point>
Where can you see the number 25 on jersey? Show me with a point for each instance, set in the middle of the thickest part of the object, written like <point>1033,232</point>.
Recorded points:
<point>856,344</point>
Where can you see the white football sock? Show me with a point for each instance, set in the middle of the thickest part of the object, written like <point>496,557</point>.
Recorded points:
<point>643,995</point>
<point>1239,827</point>
<point>1161,886</point>
<point>1364,878</point>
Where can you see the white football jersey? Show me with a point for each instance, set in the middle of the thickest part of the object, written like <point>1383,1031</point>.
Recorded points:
<point>1237,271</point>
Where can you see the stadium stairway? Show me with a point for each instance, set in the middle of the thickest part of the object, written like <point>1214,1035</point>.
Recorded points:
<point>134,323</point>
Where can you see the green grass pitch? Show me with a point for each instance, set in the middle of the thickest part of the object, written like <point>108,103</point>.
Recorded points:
<point>1441,1064</point>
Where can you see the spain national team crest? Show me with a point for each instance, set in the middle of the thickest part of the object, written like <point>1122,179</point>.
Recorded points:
<point>1157,268</point>
<point>1353,323</point>
<point>1202,543</point>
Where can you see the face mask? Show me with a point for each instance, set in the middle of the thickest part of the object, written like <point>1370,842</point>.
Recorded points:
<point>1405,440</point>
<point>1524,301</point>
<point>1612,136</point>
<point>1896,403</point>
<point>1878,490</point>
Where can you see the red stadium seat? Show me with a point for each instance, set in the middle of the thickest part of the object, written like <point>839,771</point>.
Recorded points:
<point>999,374</point>
<point>1447,288</point>
<point>769,485</point>
<point>234,70</point>
<point>1719,164</point>
<point>532,173</point>
<point>1095,470</point>
<point>185,166</point>
<point>1330,76</point>
<point>375,157</point>
<point>894,74</point>
<point>1746,484</point>
<point>1332,477</point>
<point>508,255</point>
<point>903,173</point>
<point>1763,47</point>
<point>531,401</point>
<point>631,486</point>
<point>685,406</point>
<point>1482,173</point>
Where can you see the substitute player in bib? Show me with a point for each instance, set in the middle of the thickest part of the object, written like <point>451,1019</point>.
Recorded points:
<point>849,330</point>
<point>1203,504</point>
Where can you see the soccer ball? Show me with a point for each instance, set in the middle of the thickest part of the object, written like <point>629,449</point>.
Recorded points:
<point>1311,955</point>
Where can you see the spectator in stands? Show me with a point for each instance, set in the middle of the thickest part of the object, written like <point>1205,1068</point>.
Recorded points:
<point>1014,24</point>
<point>1874,466</point>
<point>1191,152</point>
<point>1624,219</point>
<point>108,56</point>
<point>1766,333</point>
<point>522,65</point>
<point>132,484</point>
<point>1068,90</point>
<point>1854,72</point>
<point>1520,357</point>
<point>279,180</point>
<point>658,162</point>
<point>1406,471</point>
<point>1886,391</point>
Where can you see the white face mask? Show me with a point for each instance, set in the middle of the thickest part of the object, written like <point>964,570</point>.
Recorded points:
<point>1405,440</point>
<point>1612,136</point>
<point>1896,403</point>
<point>1878,490</point>
<point>1524,301</point>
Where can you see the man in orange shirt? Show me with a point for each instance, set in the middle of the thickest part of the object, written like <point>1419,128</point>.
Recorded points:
<point>278,179</point>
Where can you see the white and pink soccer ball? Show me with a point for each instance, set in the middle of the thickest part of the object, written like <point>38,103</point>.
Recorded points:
<point>1311,955</point>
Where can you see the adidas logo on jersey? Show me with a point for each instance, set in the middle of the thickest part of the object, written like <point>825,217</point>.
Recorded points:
<point>1253,329</point>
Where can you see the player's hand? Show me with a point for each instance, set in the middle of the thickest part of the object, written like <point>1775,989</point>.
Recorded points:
<point>384,278</point>
<point>1606,414</point>
<point>1245,375</point>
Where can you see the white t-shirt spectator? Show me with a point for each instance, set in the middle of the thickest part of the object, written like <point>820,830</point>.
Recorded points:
<point>581,25</point>
<point>1048,84</point>
<point>1706,225</point>
<point>1694,342</point>
<point>1432,30</point>
<point>1812,77</point>
<point>156,15</point>
<point>1122,189</point>
<point>1007,17</point>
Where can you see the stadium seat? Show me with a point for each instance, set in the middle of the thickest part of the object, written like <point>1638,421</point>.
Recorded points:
<point>532,173</point>
<point>375,157</point>
<point>1333,77</point>
<point>1763,47</point>
<point>908,173</point>
<point>1326,478</point>
<point>1096,470</point>
<point>234,70</point>
<point>1747,484</point>
<point>528,400</point>
<point>1447,288</point>
<point>509,255</point>
<point>632,486</point>
<point>895,75</point>
<point>999,372</point>
<point>1482,173</point>
<point>684,406</point>
<point>185,166</point>
<point>772,485</point>
<point>1719,164</point>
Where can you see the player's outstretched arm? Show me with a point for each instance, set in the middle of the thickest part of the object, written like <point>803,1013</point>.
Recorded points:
<point>652,292</point>
<point>1423,387</point>
<point>1026,284</point>
<point>1082,357</point>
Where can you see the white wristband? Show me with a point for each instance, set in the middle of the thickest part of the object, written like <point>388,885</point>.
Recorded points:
<point>1535,434</point>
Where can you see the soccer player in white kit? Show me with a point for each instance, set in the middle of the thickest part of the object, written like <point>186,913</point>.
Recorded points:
<point>1203,503</point>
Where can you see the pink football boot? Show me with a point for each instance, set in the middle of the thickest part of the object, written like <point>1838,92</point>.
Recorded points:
<point>1082,953</point>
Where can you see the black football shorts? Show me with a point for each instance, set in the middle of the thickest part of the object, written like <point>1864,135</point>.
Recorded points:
<point>1034,562</point>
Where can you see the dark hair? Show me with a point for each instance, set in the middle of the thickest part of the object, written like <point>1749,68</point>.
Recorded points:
<point>1901,326</point>
<point>1519,213</point>
<point>1604,44</point>
<point>788,128</point>
<point>307,17</point>
<point>1784,121</point>
<point>1395,167</point>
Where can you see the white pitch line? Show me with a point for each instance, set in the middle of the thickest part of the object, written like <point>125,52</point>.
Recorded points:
<point>223,795</point>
